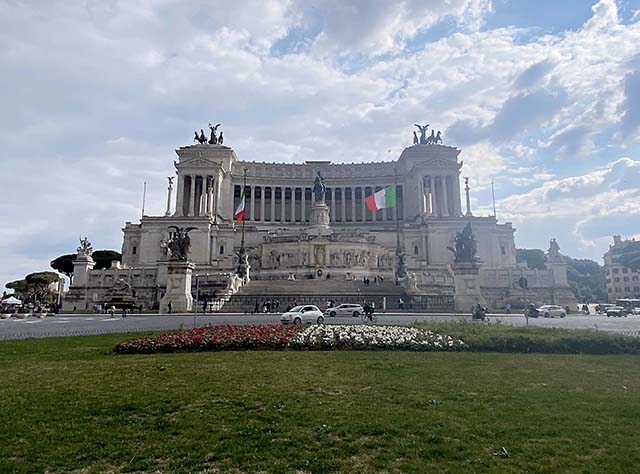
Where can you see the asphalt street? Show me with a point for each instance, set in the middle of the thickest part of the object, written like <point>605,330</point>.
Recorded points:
<point>73,325</point>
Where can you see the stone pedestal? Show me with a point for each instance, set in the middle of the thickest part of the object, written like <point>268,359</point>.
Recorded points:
<point>77,298</point>
<point>178,288</point>
<point>466,277</point>
<point>320,218</point>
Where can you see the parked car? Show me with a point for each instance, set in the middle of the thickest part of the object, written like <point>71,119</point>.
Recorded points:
<point>346,309</point>
<point>602,308</point>
<point>635,311</point>
<point>552,311</point>
<point>616,312</point>
<point>306,313</point>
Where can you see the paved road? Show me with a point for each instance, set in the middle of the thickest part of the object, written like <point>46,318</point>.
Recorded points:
<point>71,325</point>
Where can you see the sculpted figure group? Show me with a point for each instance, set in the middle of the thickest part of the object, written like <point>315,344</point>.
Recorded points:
<point>432,139</point>
<point>214,138</point>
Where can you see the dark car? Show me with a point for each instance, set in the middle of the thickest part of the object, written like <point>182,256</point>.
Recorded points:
<point>616,312</point>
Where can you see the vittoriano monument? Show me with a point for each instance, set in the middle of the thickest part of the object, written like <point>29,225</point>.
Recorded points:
<point>320,228</point>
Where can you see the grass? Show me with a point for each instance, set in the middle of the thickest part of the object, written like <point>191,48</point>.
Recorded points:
<point>68,405</point>
<point>506,338</point>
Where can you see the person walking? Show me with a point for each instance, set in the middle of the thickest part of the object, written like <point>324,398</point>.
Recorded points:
<point>170,307</point>
<point>508,308</point>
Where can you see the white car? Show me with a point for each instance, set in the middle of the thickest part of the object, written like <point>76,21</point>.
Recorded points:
<point>354,310</point>
<point>306,313</point>
<point>635,311</point>
<point>551,311</point>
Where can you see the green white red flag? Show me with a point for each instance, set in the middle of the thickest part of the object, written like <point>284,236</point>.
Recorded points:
<point>382,199</point>
<point>239,215</point>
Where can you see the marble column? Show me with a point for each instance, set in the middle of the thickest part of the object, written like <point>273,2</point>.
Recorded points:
<point>293,203</point>
<point>253,202</point>
<point>262,203</point>
<point>433,208</point>
<point>180,196</point>
<point>363,204</point>
<point>303,199</point>
<point>333,204</point>
<point>343,204</point>
<point>273,204</point>
<point>353,204</point>
<point>169,189</point>
<point>192,197</point>
<point>445,204</point>
<point>282,204</point>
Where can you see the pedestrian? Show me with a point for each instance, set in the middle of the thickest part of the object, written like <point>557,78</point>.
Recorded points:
<point>400,303</point>
<point>124,311</point>
<point>373,307</point>
<point>140,309</point>
<point>256,307</point>
<point>170,307</point>
<point>508,308</point>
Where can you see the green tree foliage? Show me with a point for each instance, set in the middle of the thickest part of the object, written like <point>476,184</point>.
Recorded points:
<point>587,280</point>
<point>585,277</point>
<point>103,258</point>
<point>64,264</point>
<point>18,286</point>
<point>35,286</point>
<point>534,258</point>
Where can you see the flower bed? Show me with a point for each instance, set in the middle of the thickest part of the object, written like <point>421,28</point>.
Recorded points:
<point>315,337</point>
<point>212,338</point>
<point>365,337</point>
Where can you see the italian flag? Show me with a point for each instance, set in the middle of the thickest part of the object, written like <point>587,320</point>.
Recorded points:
<point>384,198</point>
<point>239,215</point>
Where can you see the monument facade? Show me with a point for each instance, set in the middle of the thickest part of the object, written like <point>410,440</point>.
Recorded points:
<point>311,221</point>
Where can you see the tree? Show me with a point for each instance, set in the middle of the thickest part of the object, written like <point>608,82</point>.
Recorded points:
<point>587,280</point>
<point>103,258</point>
<point>38,284</point>
<point>18,286</point>
<point>64,264</point>
<point>534,258</point>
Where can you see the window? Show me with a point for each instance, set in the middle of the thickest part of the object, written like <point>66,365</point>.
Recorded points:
<point>626,288</point>
<point>134,250</point>
<point>635,278</point>
<point>221,249</point>
<point>617,279</point>
<point>607,271</point>
<point>615,271</point>
<point>503,250</point>
<point>625,270</point>
<point>636,288</point>
<point>415,250</point>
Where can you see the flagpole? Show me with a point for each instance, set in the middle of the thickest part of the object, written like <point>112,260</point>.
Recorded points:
<point>244,187</point>
<point>400,259</point>
<point>395,173</point>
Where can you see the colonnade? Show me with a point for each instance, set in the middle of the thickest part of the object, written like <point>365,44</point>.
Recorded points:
<point>196,195</point>
<point>441,196</point>
<point>293,204</point>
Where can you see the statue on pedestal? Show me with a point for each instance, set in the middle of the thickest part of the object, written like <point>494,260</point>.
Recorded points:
<point>423,133</point>
<point>466,246</point>
<point>85,249</point>
<point>554,249</point>
<point>319,188</point>
<point>180,242</point>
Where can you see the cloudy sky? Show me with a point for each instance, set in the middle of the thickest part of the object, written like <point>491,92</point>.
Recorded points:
<point>541,96</point>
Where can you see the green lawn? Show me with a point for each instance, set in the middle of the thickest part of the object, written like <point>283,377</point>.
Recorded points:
<point>68,405</point>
